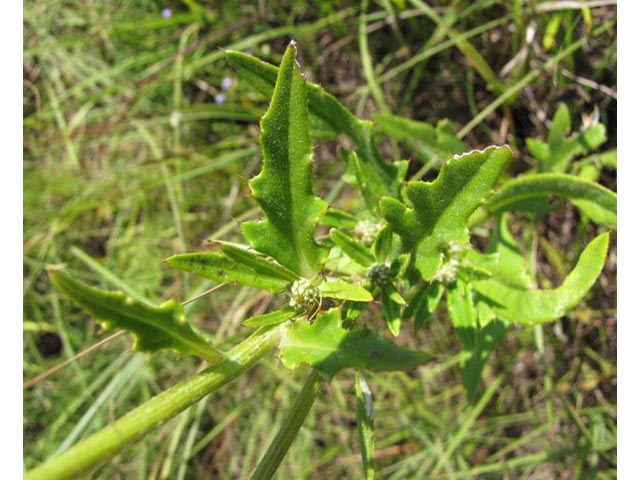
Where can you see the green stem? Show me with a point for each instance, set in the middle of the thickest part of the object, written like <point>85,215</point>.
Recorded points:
<point>289,428</point>
<point>95,450</point>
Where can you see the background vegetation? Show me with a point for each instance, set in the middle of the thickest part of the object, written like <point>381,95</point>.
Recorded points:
<point>139,142</point>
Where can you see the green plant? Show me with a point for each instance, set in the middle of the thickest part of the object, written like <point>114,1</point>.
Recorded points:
<point>396,255</point>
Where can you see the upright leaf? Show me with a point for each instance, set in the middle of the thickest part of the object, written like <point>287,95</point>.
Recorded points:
<point>328,111</point>
<point>441,208</point>
<point>531,307</point>
<point>284,186</point>
<point>560,149</point>
<point>473,360</point>
<point>329,347</point>
<point>364,418</point>
<point>479,337</point>
<point>154,328</point>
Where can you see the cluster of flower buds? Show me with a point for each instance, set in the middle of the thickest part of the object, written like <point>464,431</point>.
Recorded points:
<point>304,297</point>
<point>366,231</point>
<point>379,274</point>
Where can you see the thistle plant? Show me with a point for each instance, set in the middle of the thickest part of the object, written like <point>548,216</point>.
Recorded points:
<point>402,254</point>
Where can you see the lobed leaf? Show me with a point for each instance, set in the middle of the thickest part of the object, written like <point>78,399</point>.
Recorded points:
<point>328,111</point>
<point>441,208</point>
<point>597,202</point>
<point>284,186</point>
<point>328,347</point>
<point>154,328</point>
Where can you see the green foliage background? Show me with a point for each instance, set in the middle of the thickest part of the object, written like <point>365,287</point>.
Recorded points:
<point>130,159</point>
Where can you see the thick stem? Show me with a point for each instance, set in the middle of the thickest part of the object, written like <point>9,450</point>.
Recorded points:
<point>111,440</point>
<point>289,428</point>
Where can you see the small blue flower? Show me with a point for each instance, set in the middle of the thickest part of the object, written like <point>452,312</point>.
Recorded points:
<point>219,98</point>
<point>166,13</point>
<point>247,52</point>
<point>226,83</point>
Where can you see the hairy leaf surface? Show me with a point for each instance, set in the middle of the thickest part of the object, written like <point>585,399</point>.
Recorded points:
<point>154,328</point>
<point>284,186</point>
<point>327,346</point>
<point>441,208</point>
<point>329,112</point>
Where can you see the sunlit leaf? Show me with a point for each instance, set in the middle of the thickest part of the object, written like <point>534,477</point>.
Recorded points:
<point>531,307</point>
<point>271,318</point>
<point>328,111</point>
<point>391,310</point>
<point>284,186</point>
<point>364,419</point>
<point>424,303</point>
<point>352,248</point>
<point>154,328</point>
<point>428,142</point>
<point>222,269</point>
<point>599,203</point>
<point>441,208</point>
<point>556,155</point>
<point>327,346</point>
<point>335,217</point>
<point>344,291</point>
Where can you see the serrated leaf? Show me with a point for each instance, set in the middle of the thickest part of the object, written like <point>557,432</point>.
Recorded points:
<point>531,307</point>
<point>284,186</point>
<point>222,269</point>
<point>329,347</point>
<point>441,208</point>
<point>352,248</point>
<point>331,113</point>
<point>154,328</point>
<point>271,318</point>
<point>364,419</point>
<point>344,291</point>
<point>599,203</point>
